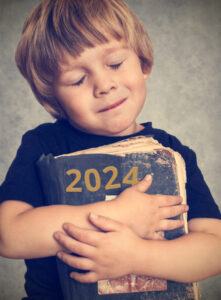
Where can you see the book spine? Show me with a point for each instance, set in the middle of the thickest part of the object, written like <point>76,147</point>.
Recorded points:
<point>47,171</point>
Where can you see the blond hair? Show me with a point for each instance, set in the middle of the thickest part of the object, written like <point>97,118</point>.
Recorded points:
<point>56,26</point>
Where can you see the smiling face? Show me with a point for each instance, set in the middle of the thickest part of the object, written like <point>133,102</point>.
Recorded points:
<point>103,90</point>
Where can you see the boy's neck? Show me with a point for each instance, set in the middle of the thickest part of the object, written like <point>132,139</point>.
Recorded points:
<point>133,130</point>
<point>139,127</point>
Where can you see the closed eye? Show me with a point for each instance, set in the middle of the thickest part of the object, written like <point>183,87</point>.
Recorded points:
<point>79,82</point>
<point>116,66</point>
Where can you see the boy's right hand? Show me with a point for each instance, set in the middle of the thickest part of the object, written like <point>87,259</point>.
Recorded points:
<point>148,214</point>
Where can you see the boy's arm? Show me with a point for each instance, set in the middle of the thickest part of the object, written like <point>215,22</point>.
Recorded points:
<point>27,232</point>
<point>119,251</point>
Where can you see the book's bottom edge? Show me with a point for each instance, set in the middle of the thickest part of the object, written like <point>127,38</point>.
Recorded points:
<point>131,284</point>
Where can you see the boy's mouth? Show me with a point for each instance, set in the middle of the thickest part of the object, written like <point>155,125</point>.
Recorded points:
<point>113,105</point>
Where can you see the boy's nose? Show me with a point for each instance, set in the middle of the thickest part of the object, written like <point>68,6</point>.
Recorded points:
<point>103,85</point>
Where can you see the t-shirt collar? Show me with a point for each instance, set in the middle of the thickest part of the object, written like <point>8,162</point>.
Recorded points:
<point>87,140</point>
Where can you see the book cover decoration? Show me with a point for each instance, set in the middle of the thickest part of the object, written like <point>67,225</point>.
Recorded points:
<point>100,174</point>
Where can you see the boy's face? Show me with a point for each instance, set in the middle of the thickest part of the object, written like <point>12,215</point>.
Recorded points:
<point>103,90</point>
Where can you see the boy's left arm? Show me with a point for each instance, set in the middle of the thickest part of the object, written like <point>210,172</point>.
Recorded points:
<point>116,251</point>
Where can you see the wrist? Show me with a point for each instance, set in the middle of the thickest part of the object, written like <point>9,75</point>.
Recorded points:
<point>122,213</point>
<point>140,259</point>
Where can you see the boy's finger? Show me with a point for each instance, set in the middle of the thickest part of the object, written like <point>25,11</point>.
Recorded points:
<point>143,185</point>
<point>158,235</point>
<point>173,211</point>
<point>72,245</point>
<point>104,223</point>
<point>86,236</point>
<point>165,200</point>
<point>88,277</point>
<point>171,224</point>
<point>77,262</point>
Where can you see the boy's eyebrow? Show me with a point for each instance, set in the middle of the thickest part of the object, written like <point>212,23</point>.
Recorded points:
<point>116,48</point>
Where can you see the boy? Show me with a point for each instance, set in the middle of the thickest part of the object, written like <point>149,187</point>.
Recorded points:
<point>93,81</point>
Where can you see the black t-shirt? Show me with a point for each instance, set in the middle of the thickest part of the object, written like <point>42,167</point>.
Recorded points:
<point>22,183</point>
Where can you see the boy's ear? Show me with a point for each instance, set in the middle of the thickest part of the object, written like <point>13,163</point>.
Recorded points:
<point>146,73</point>
<point>146,70</point>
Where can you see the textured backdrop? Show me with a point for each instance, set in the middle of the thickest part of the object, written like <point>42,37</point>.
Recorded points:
<point>183,95</point>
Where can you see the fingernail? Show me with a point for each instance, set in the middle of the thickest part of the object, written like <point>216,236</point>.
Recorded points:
<point>56,235</point>
<point>65,226</point>
<point>147,177</point>
<point>93,216</point>
<point>59,254</point>
<point>186,208</point>
<point>181,199</point>
<point>72,275</point>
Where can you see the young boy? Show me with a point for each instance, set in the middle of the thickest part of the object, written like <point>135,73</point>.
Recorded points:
<point>87,63</point>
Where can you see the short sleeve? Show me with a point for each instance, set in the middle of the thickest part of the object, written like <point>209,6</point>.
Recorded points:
<point>199,198</point>
<point>22,182</point>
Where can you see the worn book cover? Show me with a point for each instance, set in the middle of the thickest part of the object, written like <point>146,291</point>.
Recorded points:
<point>100,174</point>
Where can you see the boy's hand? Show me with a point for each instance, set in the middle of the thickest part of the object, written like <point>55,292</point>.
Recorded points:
<point>105,254</point>
<point>148,214</point>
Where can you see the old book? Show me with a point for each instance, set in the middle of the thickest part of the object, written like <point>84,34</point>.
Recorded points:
<point>100,174</point>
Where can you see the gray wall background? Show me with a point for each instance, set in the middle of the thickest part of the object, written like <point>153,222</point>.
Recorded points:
<point>183,95</point>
